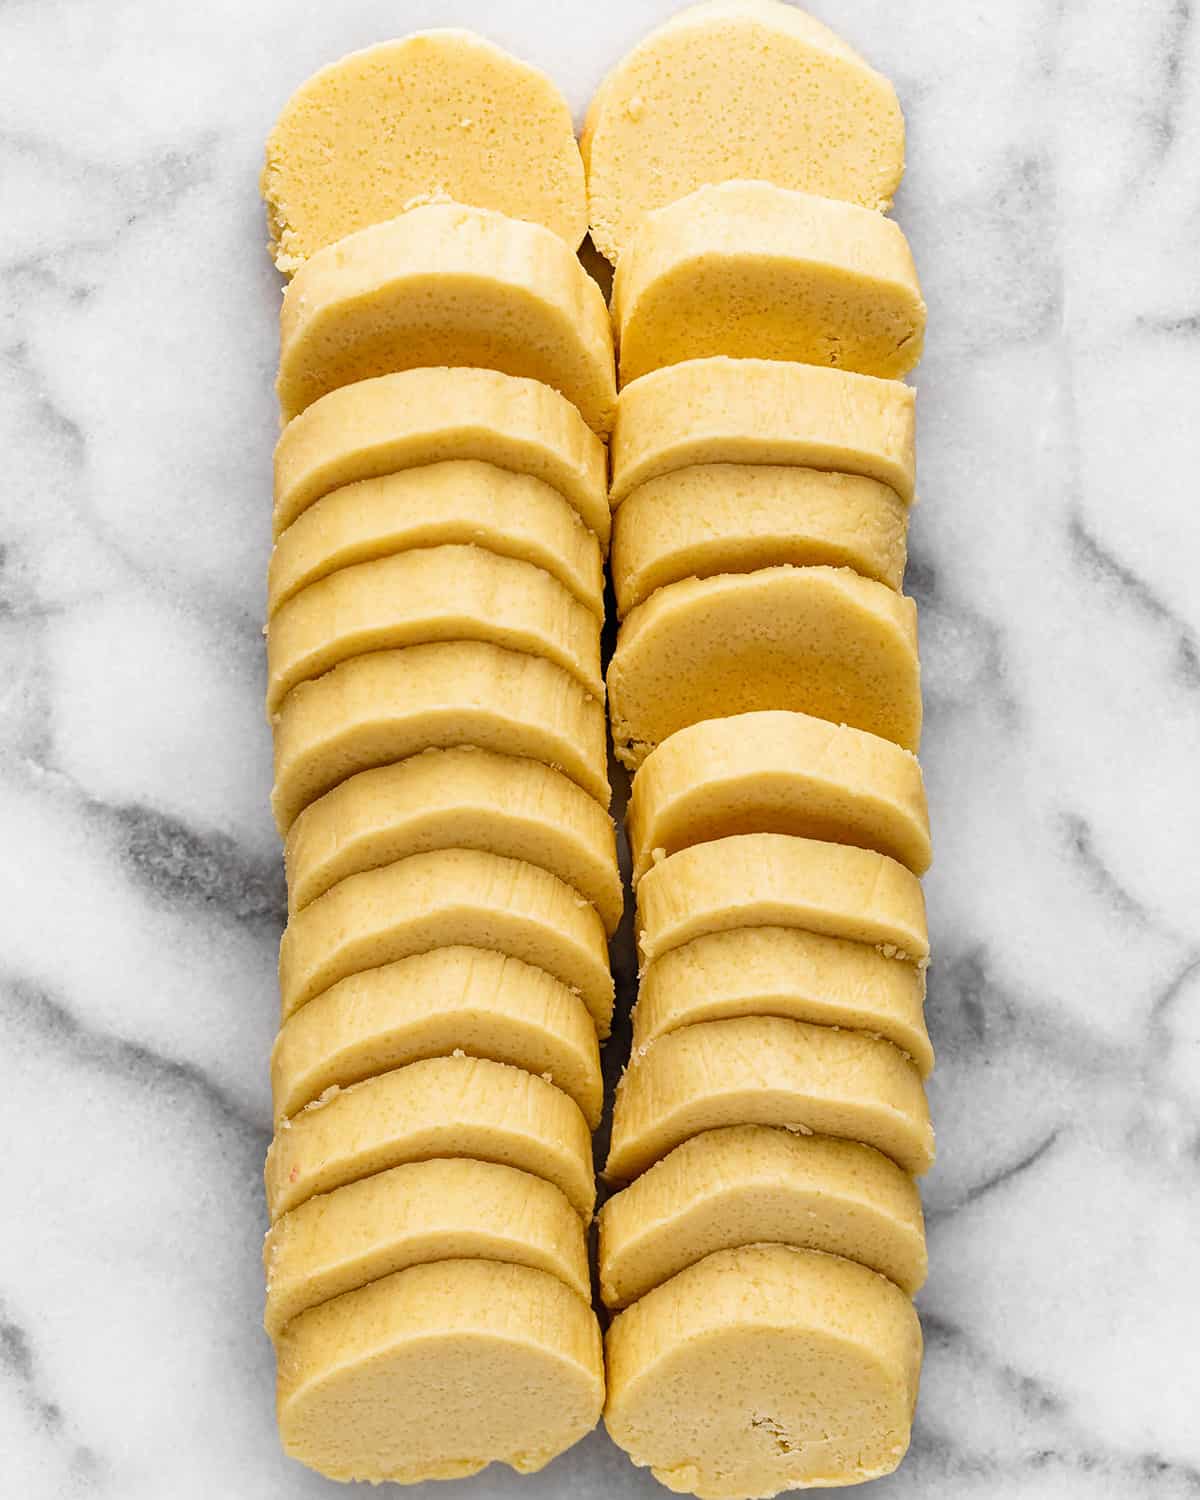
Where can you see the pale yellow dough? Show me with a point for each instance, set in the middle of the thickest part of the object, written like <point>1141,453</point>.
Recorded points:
<point>439,114</point>
<point>429,416</point>
<point>764,1071</point>
<point>750,1184</point>
<point>462,798</point>
<point>473,1000</point>
<point>777,772</point>
<point>372,710</point>
<point>437,1371</point>
<point>431,594</point>
<point>444,1106</point>
<point>765,1369</point>
<point>820,641</point>
<point>753,270</point>
<point>447,898</point>
<point>417,1214</point>
<point>763,411</point>
<point>736,518</point>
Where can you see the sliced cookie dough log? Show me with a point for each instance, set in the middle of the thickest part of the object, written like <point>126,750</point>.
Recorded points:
<point>446,284</point>
<point>737,89</point>
<point>764,411</point>
<point>751,1184</point>
<point>457,502</point>
<point>819,641</point>
<point>373,710</point>
<point>439,114</point>
<point>461,798</point>
<point>445,1106</point>
<point>429,416</point>
<point>753,270</point>
<point>765,1369</point>
<point>456,999</point>
<point>432,594</point>
<point>447,898</point>
<point>782,773</point>
<point>765,1071</point>
<point>417,1214</point>
<point>737,518</point>
<point>439,1370</point>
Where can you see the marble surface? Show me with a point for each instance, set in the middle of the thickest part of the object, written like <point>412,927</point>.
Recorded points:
<point>1052,201</point>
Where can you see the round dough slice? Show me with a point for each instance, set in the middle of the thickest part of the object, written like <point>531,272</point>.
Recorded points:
<point>432,594</point>
<point>372,710</point>
<point>736,518</point>
<point>764,1071</point>
<point>447,898</point>
<point>439,114</point>
<point>764,411</point>
<point>428,416</point>
<point>778,772</point>
<point>752,270</point>
<point>445,1106</point>
<point>461,798</point>
<point>471,1000</point>
<point>416,1214</point>
<point>447,285</point>
<point>765,1369</point>
<point>785,972</point>
<point>459,501</point>
<point>439,1370</point>
<point>819,641</point>
<point>750,1184</point>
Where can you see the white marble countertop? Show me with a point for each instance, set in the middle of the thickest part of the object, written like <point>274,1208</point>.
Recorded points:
<point>1052,200</point>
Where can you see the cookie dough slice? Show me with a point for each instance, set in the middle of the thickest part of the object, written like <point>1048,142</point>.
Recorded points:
<point>416,1214</point>
<point>432,594</point>
<point>461,798</point>
<point>437,1371</point>
<point>750,1184</point>
<point>819,641</point>
<point>446,284</point>
<point>447,898</point>
<point>428,416</point>
<point>372,710</point>
<point>736,518</point>
<point>764,1071</point>
<point>764,411</point>
<point>439,114</point>
<point>781,773</point>
<point>445,1106</point>
<point>473,1000</point>
<point>765,1369</point>
<point>748,269</point>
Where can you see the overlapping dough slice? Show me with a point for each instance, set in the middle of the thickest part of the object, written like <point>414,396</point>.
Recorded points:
<point>447,284</point>
<point>737,89</point>
<point>437,1371</point>
<point>736,518</point>
<point>444,1106</point>
<point>376,709</point>
<point>460,798</point>
<point>421,1212</point>
<point>473,1000</point>
<point>761,1070</point>
<point>763,411</point>
<point>439,114</point>
<point>751,1184</point>
<point>819,641</point>
<point>427,416</point>
<point>748,269</point>
<point>432,594</point>
<point>778,773</point>
<point>765,1369</point>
